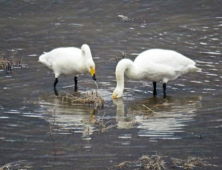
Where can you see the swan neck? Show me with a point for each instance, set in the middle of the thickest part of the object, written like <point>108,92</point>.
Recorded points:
<point>86,59</point>
<point>122,66</point>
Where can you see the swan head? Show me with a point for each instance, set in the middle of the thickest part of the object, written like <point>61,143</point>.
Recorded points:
<point>117,93</point>
<point>86,52</point>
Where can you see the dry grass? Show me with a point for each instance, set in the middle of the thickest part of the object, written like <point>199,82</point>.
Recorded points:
<point>158,162</point>
<point>153,163</point>
<point>83,98</point>
<point>11,62</point>
<point>17,165</point>
<point>145,162</point>
<point>189,163</point>
<point>3,63</point>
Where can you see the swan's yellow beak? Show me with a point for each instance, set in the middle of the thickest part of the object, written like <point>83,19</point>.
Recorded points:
<point>115,96</point>
<point>92,72</point>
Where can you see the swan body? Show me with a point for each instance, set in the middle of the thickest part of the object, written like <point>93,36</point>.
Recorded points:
<point>69,61</point>
<point>153,65</point>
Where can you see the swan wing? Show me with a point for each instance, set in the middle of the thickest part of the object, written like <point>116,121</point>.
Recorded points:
<point>45,60</point>
<point>60,57</point>
<point>165,58</point>
<point>158,64</point>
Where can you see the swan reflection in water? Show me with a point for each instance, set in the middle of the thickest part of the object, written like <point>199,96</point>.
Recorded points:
<point>66,119</point>
<point>157,118</point>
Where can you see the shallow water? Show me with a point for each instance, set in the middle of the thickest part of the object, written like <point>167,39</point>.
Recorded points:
<point>37,128</point>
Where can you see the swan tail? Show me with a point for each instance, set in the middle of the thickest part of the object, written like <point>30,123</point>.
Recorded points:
<point>190,69</point>
<point>198,70</point>
<point>194,69</point>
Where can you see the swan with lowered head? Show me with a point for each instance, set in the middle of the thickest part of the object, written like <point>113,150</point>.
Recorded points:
<point>69,61</point>
<point>153,65</point>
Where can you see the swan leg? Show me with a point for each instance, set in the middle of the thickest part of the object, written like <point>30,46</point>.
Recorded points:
<point>8,68</point>
<point>154,89</point>
<point>164,89</point>
<point>76,82</point>
<point>55,83</point>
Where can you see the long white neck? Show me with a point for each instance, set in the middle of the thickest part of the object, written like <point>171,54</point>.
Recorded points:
<point>122,66</point>
<point>86,58</point>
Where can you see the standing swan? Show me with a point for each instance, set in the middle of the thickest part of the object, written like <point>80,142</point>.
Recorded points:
<point>69,61</point>
<point>153,65</point>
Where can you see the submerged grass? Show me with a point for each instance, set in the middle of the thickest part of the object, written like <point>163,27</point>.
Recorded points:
<point>104,125</point>
<point>145,110</point>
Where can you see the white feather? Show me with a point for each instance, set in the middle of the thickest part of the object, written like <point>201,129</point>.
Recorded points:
<point>68,60</point>
<point>153,65</point>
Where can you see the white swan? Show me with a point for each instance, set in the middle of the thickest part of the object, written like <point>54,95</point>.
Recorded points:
<point>153,65</point>
<point>69,61</point>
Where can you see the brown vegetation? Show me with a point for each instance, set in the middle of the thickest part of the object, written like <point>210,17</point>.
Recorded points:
<point>11,62</point>
<point>83,98</point>
<point>158,162</point>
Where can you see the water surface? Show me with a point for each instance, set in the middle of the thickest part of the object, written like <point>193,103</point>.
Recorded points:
<point>39,131</point>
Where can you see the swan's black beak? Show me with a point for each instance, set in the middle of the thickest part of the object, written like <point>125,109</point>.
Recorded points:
<point>94,77</point>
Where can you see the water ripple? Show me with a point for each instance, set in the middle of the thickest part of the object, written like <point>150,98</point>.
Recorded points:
<point>162,124</point>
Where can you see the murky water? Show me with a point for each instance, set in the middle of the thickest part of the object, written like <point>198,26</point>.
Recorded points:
<point>35,127</point>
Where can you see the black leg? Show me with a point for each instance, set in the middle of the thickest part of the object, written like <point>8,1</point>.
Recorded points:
<point>154,89</point>
<point>76,82</point>
<point>164,89</point>
<point>55,83</point>
<point>10,68</point>
<point>6,69</point>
